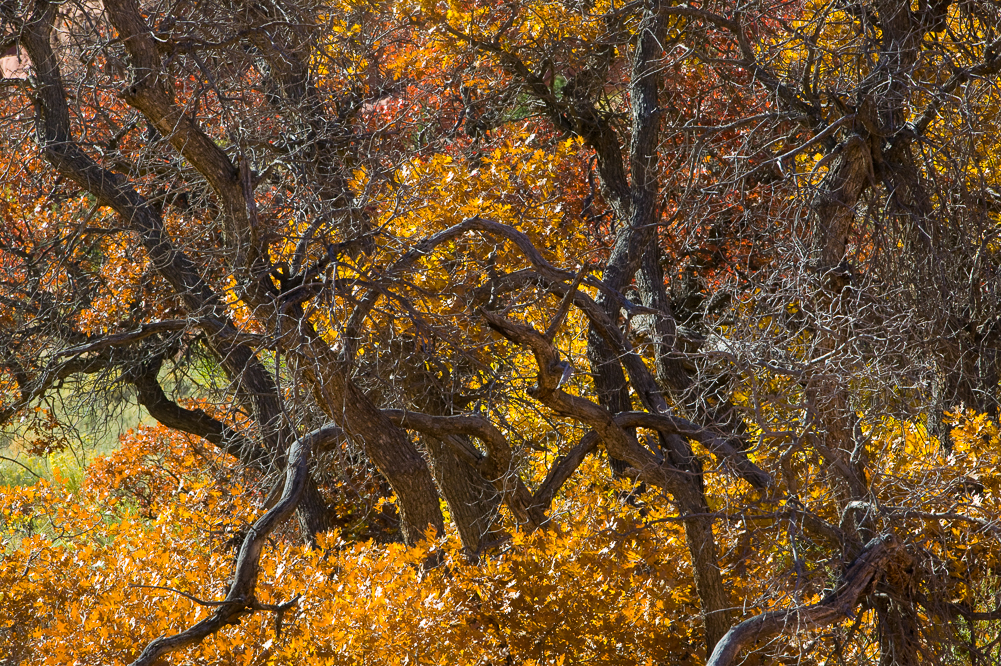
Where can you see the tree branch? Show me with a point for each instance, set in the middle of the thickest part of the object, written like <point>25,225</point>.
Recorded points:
<point>241,600</point>
<point>497,466</point>
<point>563,469</point>
<point>836,606</point>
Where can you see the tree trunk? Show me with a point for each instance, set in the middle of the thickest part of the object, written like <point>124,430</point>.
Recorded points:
<point>472,500</point>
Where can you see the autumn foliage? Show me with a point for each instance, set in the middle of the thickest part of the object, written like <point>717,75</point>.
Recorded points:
<point>91,573</point>
<point>522,332</point>
<point>111,562</point>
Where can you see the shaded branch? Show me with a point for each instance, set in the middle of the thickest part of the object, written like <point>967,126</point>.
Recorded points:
<point>54,137</point>
<point>150,395</point>
<point>497,466</point>
<point>614,437</point>
<point>643,381</point>
<point>718,446</point>
<point>563,469</point>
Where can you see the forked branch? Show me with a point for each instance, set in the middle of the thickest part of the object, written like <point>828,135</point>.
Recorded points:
<point>497,466</point>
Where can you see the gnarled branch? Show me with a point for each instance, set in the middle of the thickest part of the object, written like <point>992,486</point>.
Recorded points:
<point>496,466</point>
<point>838,605</point>
<point>241,599</point>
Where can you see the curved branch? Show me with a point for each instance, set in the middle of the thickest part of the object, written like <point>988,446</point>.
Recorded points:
<point>645,384</point>
<point>563,469</point>
<point>31,389</point>
<point>497,466</point>
<point>196,422</point>
<point>718,446</point>
<point>838,605</point>
<point>542,266</point>
<point>55,139</point>
<point>151,93</point>
<point>144,331</point>
<point>241,600</point>
<point>681,483</point>
<point>615,438</point>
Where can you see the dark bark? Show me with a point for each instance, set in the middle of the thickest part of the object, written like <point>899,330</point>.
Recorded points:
<point>54,138</point>
<point>471,497</point>
<point>241,598</point>
<point>497,465</point>
<point>311,509</point>
<point>389,448</point>
<point>253,382</point>
<point>681,483</point>
<point>472,501</point>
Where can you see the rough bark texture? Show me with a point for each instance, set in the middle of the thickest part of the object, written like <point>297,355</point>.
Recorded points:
<point>793,253</point>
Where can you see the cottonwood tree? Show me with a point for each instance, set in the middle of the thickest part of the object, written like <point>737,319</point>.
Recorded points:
<point>424,245</point>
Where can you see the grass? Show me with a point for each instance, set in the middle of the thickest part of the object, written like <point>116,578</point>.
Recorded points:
<point>91,415</point>
<point>89,435</point>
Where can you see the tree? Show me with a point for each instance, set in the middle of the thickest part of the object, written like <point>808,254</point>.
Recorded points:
<point>404,253</point>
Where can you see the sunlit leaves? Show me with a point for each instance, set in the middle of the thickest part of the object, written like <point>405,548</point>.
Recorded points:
<point>601,587</point>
